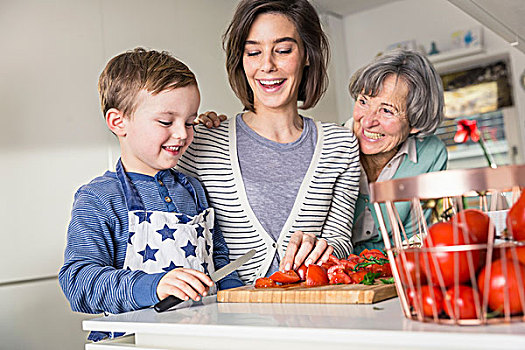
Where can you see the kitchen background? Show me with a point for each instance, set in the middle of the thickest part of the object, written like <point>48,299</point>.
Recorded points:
<point>53,138</point>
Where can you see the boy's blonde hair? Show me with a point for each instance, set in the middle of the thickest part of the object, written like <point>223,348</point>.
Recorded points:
<point>127,74</point>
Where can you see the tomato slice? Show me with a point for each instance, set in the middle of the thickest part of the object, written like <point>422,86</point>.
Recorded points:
<point>316,276</point>
<point>357,277</point>
<point>349,265</point>
<point>265,282</point>
<point>373,253</point>
<point>340,278</point>
<point>335,269</point>
<point>333,260</point>
<point>353,257</point>
<point>285,277</point>
<point>301,271</point>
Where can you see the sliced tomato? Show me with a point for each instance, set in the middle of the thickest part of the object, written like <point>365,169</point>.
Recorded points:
<point>301,271</point>
<point>327,265</point>
<point>316,276</point>
<point>357,277</point>
<point>333,260</point>
<point>340,278</point>
<point>285,277</point>
<point>335,269</point>
<point>353,257</point>
<point>348,265</point>
<point>384,270</point>
<point>373,253</point>
<point>265,282</point>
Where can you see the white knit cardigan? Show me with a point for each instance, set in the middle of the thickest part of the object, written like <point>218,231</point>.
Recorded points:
<point>324,205</point>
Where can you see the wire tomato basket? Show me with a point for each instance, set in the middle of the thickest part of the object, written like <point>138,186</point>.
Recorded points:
<point>453,259</point>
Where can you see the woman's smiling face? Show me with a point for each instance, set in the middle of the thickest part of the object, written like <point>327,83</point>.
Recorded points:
<point>273,62</point>
<point>380,122</point>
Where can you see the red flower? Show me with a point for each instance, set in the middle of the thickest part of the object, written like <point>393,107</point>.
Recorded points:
<point>467,128</point>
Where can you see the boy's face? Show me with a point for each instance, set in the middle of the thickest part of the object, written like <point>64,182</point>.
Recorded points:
<point>160,130</point>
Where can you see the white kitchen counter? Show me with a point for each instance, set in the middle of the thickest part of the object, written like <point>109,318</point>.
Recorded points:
<point>231,326</point>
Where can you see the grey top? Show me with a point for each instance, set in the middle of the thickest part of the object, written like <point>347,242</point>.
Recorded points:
<point>272,194</point>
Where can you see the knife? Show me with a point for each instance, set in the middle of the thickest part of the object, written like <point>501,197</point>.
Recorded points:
<point>172,300</point>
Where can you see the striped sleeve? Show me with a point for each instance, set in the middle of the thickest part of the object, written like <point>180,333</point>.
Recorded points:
<point>342,158</point>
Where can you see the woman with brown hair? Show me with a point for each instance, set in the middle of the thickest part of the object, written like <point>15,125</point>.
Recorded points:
<point>279,182</point>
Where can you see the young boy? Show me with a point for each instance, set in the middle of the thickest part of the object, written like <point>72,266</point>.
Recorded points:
<point>144,232</point>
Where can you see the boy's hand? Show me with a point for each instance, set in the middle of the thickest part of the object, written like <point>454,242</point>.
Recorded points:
<point>184,284</point>
<point>210,119</point>
<point>305,248</point>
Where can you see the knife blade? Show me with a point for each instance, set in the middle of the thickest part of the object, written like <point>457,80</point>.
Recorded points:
<point>172,300</point>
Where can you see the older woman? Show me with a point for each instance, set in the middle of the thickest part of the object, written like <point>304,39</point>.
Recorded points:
<point>276,178</point>
<point>398,106</point>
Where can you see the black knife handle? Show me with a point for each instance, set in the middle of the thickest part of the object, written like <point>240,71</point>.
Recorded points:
<point>167,303</point>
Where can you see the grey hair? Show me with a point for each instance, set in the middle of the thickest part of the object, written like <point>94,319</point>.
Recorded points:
<point>425,100</point>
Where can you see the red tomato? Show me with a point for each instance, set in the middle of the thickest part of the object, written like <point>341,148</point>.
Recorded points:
<point>385,270</point>
<point>353,257</point>
<point>374,253</point>
<point>316,276</point>
<point>335,269</point>
<point>348,265</point>
<point>432,300</point>
<point>464,302</point>
<point>501,284</point>
<point>265,282</point>
<point>516,219</point>
<point>340,278</point>
<point>442,234</point>
<point>476,222</point>
<point>357,277</point>
<point>285,277</point>
<point>410,268</point>
<point>520,252</point>
<point>301,271</point>
<point>333,260</point>
<point>326,265</point>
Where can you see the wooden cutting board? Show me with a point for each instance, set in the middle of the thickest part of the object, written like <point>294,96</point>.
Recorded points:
<point>330,294</point>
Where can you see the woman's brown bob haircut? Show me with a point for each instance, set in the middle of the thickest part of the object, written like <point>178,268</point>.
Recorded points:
<point>314,80</point>
<point>128,73</point>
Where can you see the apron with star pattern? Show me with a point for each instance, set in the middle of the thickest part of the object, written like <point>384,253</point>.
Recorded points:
<point>162,241</point>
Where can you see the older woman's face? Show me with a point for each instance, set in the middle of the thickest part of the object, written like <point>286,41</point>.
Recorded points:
<point>273,61</point>
<point>380,122</point>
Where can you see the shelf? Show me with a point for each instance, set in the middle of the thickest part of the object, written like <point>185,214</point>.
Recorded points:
<point>453,54</point>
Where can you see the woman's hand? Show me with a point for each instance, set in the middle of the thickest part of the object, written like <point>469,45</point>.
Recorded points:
<point>184,284</point>
<point>210,119</point>
<point>307,248</point>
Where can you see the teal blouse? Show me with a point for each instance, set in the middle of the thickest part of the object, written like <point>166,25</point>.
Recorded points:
<point>431,156</point>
